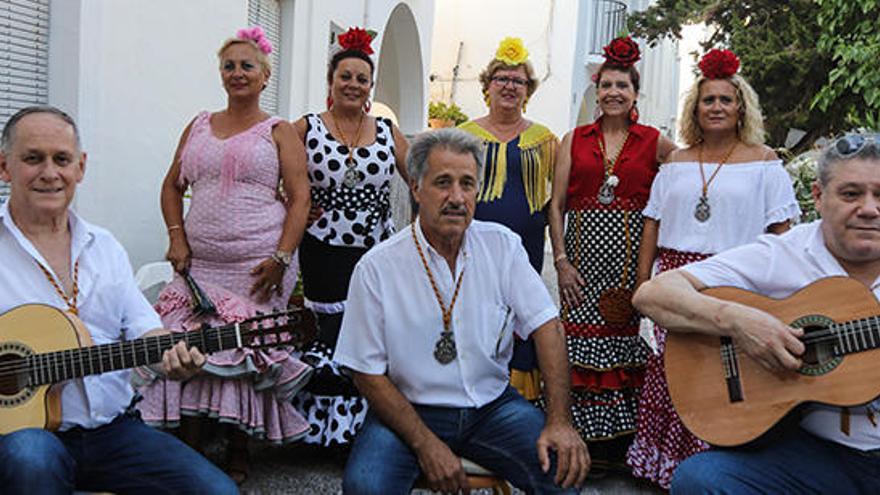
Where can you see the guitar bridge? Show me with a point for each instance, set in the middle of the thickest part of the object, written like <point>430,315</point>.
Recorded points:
<point>731,370</point>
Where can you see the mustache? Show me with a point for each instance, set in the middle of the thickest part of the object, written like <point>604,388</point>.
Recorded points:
<point>453,210</point>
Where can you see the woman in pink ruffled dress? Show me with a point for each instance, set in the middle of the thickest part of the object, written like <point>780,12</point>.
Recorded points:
<point>237,243</point>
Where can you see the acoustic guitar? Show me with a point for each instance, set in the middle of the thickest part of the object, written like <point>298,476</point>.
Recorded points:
<point>41,345</point>
<point>726,398</point>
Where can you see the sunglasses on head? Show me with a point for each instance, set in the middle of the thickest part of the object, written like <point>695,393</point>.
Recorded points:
<point>853,143</point>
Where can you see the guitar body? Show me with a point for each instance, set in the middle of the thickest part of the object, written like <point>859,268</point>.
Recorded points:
<point>697,374</point>
<point>32,329</point>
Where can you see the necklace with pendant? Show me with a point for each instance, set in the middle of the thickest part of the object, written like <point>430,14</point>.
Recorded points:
<point>444,350</point>
<point>352,176</point>
<point>606,190</point>
<point>702,212</point>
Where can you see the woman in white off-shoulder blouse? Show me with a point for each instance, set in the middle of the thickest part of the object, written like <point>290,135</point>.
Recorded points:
<point>725,189</point>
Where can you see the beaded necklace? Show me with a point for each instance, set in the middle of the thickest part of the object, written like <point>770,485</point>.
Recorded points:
<point>606,191</point>
<point>444,350</point>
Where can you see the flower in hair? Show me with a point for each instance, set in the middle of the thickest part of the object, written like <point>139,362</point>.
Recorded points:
<point>511,51</point>
<point>622,51</point>
<point>357,39</point>
<point>719,64</point>
<point>256,35</point>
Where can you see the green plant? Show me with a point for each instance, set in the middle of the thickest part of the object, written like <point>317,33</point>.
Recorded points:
<point>802,169</point>
<point>442,111</point>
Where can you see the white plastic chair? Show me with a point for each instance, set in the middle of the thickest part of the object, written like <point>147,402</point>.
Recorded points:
<point>152,277</point>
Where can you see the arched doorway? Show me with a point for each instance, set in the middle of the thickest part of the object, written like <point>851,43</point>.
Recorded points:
<point>400,78</point>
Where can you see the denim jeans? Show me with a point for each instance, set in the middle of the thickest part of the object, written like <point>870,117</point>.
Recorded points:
<point>796,462</point>
<point>125,456</point>
<point>500,436</point>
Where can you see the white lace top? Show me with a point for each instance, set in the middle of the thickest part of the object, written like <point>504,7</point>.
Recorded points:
<point>745,199</point>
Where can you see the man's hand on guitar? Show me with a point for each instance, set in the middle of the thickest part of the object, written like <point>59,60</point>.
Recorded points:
<point>181,363</point>
<point>765,338</point>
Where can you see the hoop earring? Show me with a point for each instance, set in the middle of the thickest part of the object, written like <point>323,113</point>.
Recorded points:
<point>329,102</point>
<point>486,98</point>
<point>367,106</point>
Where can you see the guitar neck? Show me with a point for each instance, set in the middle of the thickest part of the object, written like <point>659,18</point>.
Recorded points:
<point>58,366</point>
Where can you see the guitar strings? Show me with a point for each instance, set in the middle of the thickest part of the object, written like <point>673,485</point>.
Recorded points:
<point>117,349</point>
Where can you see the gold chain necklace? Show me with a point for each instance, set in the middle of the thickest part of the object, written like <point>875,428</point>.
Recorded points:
<point>70,301</point>
<point>606,190</point>
<point>703,211</point>
<point>444,350</point>
<point>352,176</point>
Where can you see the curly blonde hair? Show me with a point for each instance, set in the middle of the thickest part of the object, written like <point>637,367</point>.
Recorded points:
<point>495,65</point>
<point>750,123</point>
<point>262,58</point>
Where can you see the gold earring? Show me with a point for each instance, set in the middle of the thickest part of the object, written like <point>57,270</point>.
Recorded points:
<point>486,97</point>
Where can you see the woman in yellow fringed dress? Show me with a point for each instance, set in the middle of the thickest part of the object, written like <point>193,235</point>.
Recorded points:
<point>518,173</point>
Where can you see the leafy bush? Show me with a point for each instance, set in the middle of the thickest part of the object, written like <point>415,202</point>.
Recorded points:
<point>442,111</point>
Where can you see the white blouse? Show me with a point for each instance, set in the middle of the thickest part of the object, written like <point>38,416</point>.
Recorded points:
<point>745,199</point>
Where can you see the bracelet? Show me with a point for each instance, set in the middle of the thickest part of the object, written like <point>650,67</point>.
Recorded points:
<point>559,258</point>
<point>174,227</point>
<point>283,258</point>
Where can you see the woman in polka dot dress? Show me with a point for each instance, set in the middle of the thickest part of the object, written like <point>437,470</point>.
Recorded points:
<point>724,190</point>
<point>352,158</point>
<point>602,181</point>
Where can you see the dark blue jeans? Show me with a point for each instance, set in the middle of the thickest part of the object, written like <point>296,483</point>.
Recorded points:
<point>499,436</point>
<point>125,456</point>
<point>796,462</point>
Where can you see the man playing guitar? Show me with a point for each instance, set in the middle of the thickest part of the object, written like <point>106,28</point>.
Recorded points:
<point>835,450</point>
<point>51,256</point>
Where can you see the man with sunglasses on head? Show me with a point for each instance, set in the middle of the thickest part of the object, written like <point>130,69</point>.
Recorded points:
<point>833,450</point>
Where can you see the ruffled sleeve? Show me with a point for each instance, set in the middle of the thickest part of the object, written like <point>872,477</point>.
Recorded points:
<point>658,191</point>
<point>780,203</point>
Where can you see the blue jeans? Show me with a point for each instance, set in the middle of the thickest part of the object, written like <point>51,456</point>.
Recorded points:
<point>125,456</point>
<point>796,462</point>
<point>500,436</point>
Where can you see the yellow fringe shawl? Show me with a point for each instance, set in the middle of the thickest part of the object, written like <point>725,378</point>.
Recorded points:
<point>537,146</point>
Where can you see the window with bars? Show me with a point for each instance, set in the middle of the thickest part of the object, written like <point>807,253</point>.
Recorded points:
<point>24,59</point>
<point>267,14</point>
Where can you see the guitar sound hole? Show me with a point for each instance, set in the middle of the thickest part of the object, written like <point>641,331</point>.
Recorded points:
<point>11,382</point>
<point>817,354</point>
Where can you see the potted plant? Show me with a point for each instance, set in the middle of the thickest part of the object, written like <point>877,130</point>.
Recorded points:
<point>442,115</point>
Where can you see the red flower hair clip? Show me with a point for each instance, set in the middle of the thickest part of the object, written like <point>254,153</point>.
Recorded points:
<point>357,39</point>
<point>719,64</point>
<point>622,51</point>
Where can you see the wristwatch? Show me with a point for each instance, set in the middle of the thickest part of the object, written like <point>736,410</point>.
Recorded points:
<point>283,257</point>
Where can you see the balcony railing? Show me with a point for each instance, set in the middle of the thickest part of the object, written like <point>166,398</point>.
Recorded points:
<point>609,19</point>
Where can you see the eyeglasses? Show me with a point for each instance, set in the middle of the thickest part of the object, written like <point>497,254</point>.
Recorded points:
<point>853,143</point>
<point>505,80</point>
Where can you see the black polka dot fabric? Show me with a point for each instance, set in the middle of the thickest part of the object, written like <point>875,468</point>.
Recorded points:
<point>358,216</point>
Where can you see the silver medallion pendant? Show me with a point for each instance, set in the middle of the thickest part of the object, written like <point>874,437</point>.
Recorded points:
<point>606,191</point>
<point>702,212</point>
<point>444,349</point>
<point>351,178</point>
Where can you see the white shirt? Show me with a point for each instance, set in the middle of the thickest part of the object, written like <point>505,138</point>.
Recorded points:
<point>109,303</point>
<point>745,199</point>
<point>777,266</point>
<point>393,320</point>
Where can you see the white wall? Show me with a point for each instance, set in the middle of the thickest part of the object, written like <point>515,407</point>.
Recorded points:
<point>134,73</point>
<point>547,31</point>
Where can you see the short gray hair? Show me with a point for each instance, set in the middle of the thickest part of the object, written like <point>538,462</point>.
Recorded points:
<point>455,140</point>
<point>9,129</point>
<point>831,155</point>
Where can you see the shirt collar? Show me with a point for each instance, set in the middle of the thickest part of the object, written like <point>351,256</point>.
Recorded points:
<point>636,130</point>
<point>81,234</point>
<point>432,253</point>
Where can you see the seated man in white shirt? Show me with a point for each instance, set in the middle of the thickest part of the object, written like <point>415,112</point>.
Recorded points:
<point>428,333</point>
<point>53,257</point>
<point>832,450</point>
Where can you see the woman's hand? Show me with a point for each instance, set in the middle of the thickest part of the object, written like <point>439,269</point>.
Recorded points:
<point>179,253</point>
<point>269,275</point>
<point>570,284</point>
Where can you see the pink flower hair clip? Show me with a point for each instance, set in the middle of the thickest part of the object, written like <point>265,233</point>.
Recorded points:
<point>256,35</point>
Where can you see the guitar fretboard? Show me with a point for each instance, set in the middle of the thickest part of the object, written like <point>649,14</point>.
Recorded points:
<point>856,335</point>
